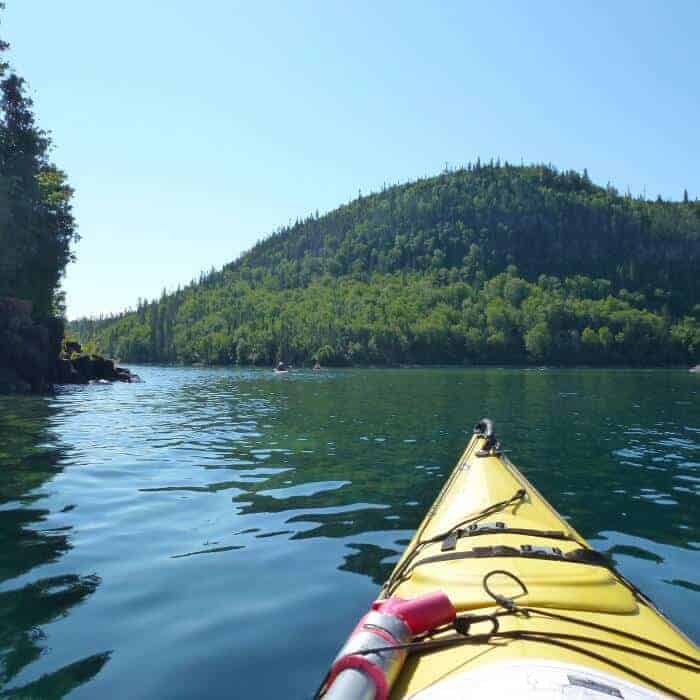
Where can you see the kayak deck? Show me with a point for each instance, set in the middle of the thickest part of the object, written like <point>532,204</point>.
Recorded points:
<point>507,526</point>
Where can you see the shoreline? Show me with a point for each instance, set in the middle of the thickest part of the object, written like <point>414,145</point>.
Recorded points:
<point>494,365</point>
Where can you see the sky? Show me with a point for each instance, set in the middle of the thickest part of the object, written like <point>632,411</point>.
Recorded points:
<point>191,130</point>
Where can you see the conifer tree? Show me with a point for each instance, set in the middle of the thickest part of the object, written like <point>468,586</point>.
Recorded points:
<point>36,221</point>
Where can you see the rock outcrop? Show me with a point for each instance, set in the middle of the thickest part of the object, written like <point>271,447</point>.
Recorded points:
<point>34,356</point>
<point>28,347</point>
<point>77,367</point>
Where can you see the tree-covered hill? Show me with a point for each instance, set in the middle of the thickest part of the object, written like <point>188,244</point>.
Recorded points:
<point>488,263</point>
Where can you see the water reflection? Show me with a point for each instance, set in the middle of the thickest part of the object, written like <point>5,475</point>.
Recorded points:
<point>370,560</point>
<point>342,522</point>
<point>58,684</point>
<point>23,545</point>
<point>29,458</point>
<point>24,611</point>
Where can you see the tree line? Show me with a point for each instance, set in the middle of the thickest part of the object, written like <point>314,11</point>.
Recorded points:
<point>403,318</point>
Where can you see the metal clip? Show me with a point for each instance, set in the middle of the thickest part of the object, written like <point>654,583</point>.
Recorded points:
<point>450,542</point>
<point>541,551</point>
<point>477,528</point>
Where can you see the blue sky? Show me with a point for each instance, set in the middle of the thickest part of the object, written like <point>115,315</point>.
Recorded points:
<point>191,130</point>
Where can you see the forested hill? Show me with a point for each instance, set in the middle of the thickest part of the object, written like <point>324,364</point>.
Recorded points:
<point>492,263</point>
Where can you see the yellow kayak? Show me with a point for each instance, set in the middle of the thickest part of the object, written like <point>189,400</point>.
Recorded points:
<point>497,596</point>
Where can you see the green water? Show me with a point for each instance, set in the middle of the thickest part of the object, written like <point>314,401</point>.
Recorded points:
<point>217,532</point>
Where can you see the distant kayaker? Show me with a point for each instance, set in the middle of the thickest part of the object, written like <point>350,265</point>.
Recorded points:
<point>281,367</point>
<point>317,366</point>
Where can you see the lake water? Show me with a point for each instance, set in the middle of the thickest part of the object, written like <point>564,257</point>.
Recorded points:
<point>217,532</point>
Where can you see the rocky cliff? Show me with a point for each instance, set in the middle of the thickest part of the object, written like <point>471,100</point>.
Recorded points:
<point>34,355</point>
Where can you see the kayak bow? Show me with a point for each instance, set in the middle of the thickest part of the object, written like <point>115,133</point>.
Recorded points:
<point>498,596</point>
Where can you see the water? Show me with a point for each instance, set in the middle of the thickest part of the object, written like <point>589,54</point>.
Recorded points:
<point>217,532</point>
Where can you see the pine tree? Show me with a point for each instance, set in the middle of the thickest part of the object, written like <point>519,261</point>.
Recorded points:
<point>22,149</point>
<point>36,221</point>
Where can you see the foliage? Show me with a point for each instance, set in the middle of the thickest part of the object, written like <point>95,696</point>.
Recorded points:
<point>398,318</point>
<point>36,221</point>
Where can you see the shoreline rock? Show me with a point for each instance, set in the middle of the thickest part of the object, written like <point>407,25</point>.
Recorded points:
<point>77,367</point>
<point>34,355</point>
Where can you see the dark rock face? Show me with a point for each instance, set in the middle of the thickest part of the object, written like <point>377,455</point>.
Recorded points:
<point>25,347</point>
<point>76,367</point>
<point>91,367</point>
<point>72,346</point>
<point>33,355</point>
<point>67,374</point>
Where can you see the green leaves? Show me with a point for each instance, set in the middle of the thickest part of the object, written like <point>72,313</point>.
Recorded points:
<point>36,221</point>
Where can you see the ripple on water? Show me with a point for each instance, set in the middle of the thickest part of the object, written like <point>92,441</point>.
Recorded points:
<point>307,489</point>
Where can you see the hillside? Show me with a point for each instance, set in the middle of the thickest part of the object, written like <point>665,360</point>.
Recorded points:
<point>492,263</point>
